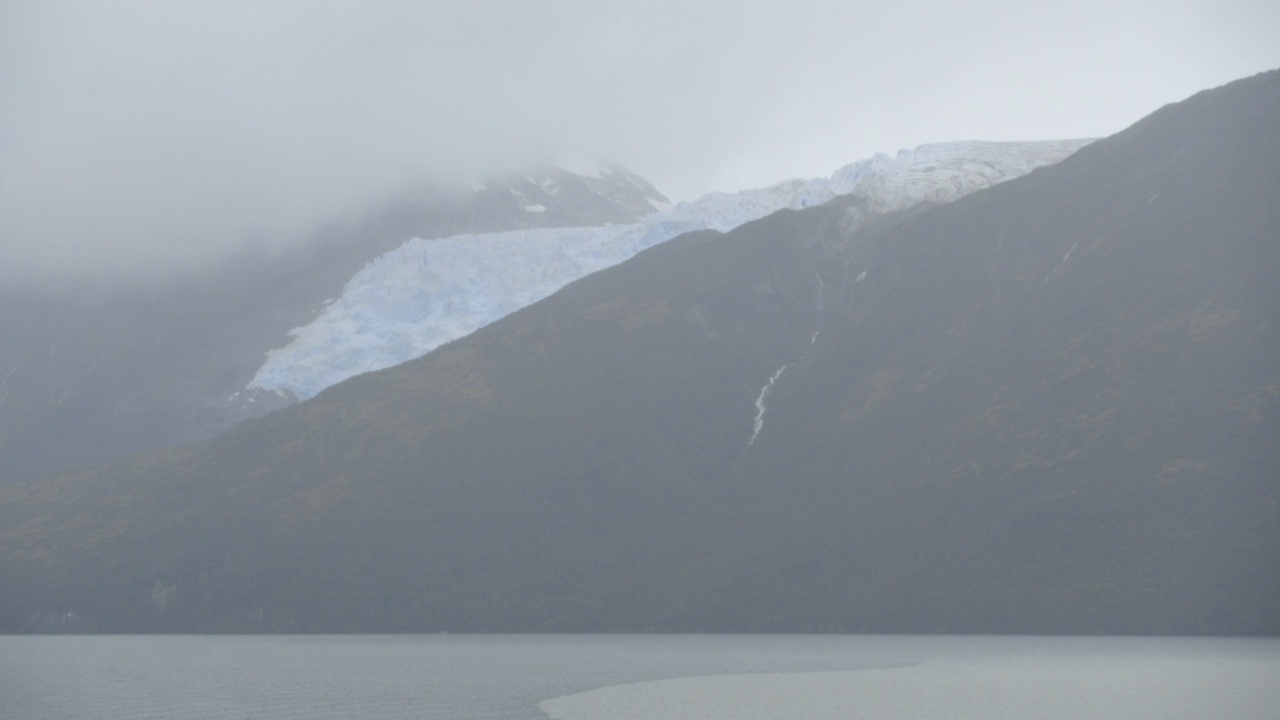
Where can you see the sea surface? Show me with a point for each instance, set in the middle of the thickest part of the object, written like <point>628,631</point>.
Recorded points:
<point>617,677</point>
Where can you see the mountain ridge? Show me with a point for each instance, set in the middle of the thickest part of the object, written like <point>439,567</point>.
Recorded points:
<point>1047,407</point>
<point>90,375</point>
<point>426,292</point>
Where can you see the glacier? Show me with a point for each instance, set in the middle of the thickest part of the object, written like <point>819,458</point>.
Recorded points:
<point>428,292</point>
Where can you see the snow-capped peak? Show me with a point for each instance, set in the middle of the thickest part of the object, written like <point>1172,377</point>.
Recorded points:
<point>425,293</point>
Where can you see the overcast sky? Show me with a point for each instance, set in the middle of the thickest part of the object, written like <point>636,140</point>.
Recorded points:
<point>139,137</point>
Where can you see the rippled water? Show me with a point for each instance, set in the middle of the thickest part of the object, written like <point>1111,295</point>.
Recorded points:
<point>609,677</point>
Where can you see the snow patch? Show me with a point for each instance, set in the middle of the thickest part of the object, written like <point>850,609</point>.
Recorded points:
<point>759,422</point>
<point>535,208</point>
<point>1061,262</point>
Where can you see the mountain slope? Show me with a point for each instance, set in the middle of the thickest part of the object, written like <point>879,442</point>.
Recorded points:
<point>88,375</point>
<point>1095,367</point>
<point>412,299</point>
<point>1047,407</point>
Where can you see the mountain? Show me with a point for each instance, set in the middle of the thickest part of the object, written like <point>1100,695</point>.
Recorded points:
<point>425,293</point>
<point>92,375</point>
<point>1050,406</point>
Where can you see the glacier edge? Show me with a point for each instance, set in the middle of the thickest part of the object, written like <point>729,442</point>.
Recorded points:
<point>425,293</point>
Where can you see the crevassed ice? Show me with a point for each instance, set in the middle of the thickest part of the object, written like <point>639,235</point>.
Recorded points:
<point>425,293</point>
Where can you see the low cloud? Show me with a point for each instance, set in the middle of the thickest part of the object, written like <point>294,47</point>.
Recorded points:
<point>141,138</point>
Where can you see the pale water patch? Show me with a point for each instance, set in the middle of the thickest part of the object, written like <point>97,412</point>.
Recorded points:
<point>471,677</point>
<point>1135,686</point>
<point>408,677</point>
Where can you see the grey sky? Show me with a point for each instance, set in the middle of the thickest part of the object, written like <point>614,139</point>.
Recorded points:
<point>138,137</point>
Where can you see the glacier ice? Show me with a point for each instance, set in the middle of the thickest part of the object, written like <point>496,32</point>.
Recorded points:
<point>425,293</point>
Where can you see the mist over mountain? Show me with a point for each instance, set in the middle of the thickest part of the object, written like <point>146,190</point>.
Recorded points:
<point>425,293</point>
<point>94,373</point>
<point>144,141</point>
<point>91,375</point>
<point>1049,406</point>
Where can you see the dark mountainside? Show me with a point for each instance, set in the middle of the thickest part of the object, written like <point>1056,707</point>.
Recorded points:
<point>1049,407</point>
<point>90,376</point>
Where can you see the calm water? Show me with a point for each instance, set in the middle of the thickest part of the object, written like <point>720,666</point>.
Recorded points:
<point>622,677</point>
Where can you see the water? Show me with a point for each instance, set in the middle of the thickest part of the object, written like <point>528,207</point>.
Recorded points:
<point>624,677</point>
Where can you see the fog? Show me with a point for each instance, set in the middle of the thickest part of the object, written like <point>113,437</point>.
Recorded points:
<point>141,139</point>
